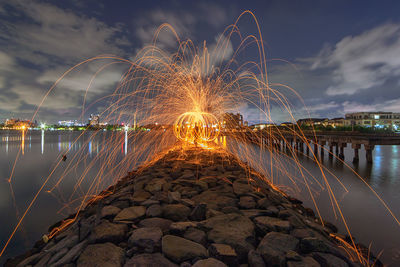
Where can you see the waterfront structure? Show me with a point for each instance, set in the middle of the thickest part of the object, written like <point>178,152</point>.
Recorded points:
<point>377,119</point>
<point>18,123</point>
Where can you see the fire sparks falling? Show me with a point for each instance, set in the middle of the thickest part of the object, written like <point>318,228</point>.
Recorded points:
<point>183,96</point>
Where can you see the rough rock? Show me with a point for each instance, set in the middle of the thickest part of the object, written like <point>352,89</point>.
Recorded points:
<point>305,262</point>
<point>154,211</point>
<point>209,262</point>
<point>108,232</point>
<point>196,235</point>
<point>176,212</point>
<point>313,244</point>
<point>325,259</point>
<point>242,187</point>
<point>147,238</point>
<point>140,196</point>
<point>174,197</point>
<point>161,223</point>
<point>109,211</point>
<point>224,253</point>
<point>72,254</point>
<point>105,255</point>
<point>147,260</point>
<point>130,214</point>
<point>180,249</point>
<point>267,224</point>
<point>232,229</point>
<point>254,259</point>
<point>199,212</point>
<point>247,202</point>
<point>155,185</point>
<point>274,245</point>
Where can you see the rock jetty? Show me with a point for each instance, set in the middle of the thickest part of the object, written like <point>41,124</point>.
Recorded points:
<point>193,207</point>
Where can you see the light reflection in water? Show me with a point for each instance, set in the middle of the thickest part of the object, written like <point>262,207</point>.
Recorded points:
<point>126,142</point>
<point>23,142</point>
<point>42,142</point>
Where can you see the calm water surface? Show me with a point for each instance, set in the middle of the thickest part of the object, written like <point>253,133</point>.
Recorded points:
<point>368,220</point>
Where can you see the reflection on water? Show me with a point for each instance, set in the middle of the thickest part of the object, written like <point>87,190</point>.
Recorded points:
<point>39,150</point>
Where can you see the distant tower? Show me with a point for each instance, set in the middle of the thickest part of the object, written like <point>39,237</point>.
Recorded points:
<point>94,120</point>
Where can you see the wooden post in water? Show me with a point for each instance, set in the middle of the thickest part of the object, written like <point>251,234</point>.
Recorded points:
<point>330,149</point>
<point>356,147</point>
<point>368,152</point>
<point>341,147</point>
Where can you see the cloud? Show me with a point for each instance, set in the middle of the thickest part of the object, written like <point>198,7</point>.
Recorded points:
<point>184,23</point>
<point>389,105</point>
<point>362,61</point>
<point>40,41</point>
<point>47,33</point>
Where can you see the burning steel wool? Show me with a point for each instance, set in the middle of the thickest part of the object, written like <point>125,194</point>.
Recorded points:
<point>182,97</point>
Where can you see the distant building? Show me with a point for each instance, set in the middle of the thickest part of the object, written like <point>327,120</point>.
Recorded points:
<point>94,120</point>
<point>261,126</point>
<point>18,124</point>
<point>377,119</point>
<point>290,124</point>
<point>69,123</point>
<point>313,122</point>
<point>232,121</point>
<point>336,122</point>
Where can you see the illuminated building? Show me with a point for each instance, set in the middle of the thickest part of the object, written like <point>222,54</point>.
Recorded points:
<point>260,126</point>
<point>18,124</point>
<point>336,122</point>
<point>377,119</point>
<point>313,122</point>
<point>69,123</point>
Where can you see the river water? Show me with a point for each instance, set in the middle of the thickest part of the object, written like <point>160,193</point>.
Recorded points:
<point>365,215</point>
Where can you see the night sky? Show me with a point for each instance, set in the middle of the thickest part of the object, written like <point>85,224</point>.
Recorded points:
<point>340,56</point>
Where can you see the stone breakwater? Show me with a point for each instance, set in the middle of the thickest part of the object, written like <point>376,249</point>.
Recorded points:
<point>192,208</point>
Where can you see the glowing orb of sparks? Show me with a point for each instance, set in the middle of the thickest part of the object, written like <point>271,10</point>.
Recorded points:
<point>196,127</point>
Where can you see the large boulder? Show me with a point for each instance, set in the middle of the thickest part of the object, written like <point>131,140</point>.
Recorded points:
<point>325,259</point>
<point>109,211</point>
<point>242,187</point>
<point>274,246</point>
<point>176,212</point>
<point>224,253</point>
<point>108,232</point>
<point>105,255</point>
<point>267,224</point>
<point>232,229</point>
<point>147,238</point>
<point>209,262</point>
<point>146,260</point>
<point>131,214</point>
<point>163,224</point>
<point>180,249</point>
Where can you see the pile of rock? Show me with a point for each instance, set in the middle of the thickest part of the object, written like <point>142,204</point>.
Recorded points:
<point>192,208</point>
